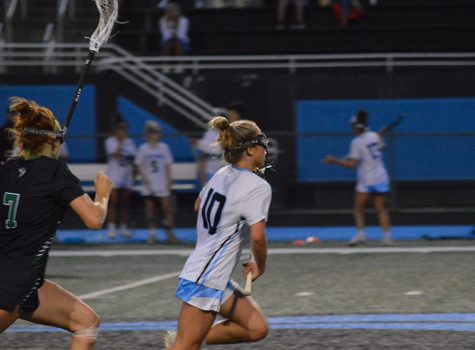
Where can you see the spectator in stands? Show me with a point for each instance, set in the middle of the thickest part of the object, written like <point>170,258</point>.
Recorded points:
<point>366,154</point>
<point>6,138</point>
<point>346,10</point>
<point>174,32</point>
<point>282,6</point>
<point>210,156</point>
<point>154,161</point>
<point>120,151</point>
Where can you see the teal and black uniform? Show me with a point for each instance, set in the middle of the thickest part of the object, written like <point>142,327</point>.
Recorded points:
<point>34,195</point>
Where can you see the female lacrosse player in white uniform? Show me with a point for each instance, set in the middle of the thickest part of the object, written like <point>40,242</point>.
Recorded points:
<point>234,196</point>
<point>154,161</point>
<point>120,151</point>
<point>366,154</point>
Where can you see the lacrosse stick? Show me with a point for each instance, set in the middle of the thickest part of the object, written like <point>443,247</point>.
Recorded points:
<point>384,130</point>
<point>108,10</point>
<point>248,287</point>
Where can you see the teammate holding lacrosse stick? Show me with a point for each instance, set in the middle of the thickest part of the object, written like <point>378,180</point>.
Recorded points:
<point>366,153</point>
<point>36,189</point>
<point>234,196</point>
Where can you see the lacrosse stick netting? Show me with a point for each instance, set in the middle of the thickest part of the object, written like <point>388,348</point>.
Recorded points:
<point>108,11</point>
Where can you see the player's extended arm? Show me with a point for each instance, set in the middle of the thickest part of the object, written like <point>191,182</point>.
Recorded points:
<point>259,250</point>
<point>197,204</point>
<point>93,213</point>
<point>345,163</point>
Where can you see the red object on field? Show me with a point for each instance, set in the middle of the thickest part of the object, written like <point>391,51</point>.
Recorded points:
<point>299,243</point>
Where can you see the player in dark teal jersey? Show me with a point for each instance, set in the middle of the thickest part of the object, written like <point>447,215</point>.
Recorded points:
<point>35,190</point>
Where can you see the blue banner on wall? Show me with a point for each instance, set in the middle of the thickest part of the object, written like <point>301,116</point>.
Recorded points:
<point>82,132</point>
<point>136,117</point>
<point>410,156</point>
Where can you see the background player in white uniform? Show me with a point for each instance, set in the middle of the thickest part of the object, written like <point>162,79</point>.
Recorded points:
<point>154,161</point>
<point>210,154</point>
<point>234,196</point>
<point>120,151</point>
<point>366,154</point>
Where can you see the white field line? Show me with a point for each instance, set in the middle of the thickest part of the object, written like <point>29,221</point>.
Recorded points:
<point>272,251</point>
<point>129,285</point>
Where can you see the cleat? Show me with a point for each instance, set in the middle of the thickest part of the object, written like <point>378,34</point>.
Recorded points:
<point>152,238</point>
<point>125,232</point>
<point>387,241</point>
<point>111,233</point>
<point>169,339</point>
<point>357,240</point>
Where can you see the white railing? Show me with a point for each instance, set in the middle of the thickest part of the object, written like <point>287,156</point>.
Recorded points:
<point>157,84</point>
<point>294,62</point>
<point>147,72</point>
<point>160,86</point>
<point>120,59</point>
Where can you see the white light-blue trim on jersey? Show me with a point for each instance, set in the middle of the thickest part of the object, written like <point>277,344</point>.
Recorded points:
<point>154,162</point>
<point>367,150</point>
<point>233,197</point>
<point>202,297</point>
<point>120,170</point>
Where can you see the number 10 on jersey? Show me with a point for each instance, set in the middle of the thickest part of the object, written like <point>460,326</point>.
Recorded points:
<point>211,223</point>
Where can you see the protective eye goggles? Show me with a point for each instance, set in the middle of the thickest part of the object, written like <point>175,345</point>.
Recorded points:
<point>260,140</point>
<point>41,132</point>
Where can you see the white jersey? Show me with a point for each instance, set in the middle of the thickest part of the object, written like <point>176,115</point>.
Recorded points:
<point>367,149</point>
<point>153,162</point>
<point>231,198</point>
<point>214,153</point>
<point>120,170</point>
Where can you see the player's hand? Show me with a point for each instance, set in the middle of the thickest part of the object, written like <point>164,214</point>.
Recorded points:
<point>103,184</point>
<point>329,159</point>
<point>251,266</point>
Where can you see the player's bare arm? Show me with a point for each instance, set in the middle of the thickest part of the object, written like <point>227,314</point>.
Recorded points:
<point>197,204</point>
<point>93,213</point>
<point>259,250</point>
<point>345,163</point>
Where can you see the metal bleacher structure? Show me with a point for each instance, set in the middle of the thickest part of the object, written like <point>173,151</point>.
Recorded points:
<point>48,36</point>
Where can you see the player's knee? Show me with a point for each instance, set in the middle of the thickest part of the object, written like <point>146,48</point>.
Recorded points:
<point>258,330</point>
<point>86,323</point>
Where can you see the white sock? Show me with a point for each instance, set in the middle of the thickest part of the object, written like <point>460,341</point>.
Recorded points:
<point>387,234</point>
<point>360,234</point>
<point>123,226</point>
<point>111,226</point>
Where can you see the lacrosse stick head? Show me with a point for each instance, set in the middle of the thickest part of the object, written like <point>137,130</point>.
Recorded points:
<point>108,11</point>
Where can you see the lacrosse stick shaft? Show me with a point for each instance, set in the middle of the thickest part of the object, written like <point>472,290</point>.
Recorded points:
<point>248,286</point>
<point>391,125</point>
<point>77,95</point>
